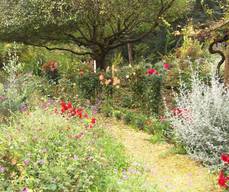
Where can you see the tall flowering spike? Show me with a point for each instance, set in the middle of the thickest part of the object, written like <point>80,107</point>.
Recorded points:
<point>166,66</point>
<point>225,158</point>
<point>222,180</point>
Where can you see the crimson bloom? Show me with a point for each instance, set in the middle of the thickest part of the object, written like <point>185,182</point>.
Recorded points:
<point>222,180</point>
<point>225,158</point>
<point>152,72</point>
<point>93,120</point>
<point>166,66</point>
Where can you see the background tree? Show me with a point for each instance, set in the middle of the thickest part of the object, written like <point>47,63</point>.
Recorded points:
<point>84,27</point>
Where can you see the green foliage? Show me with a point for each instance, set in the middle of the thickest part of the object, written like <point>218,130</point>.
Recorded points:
<point>118,115</point>
<point>107,110</point>
<point>127,118</point>
<point>140,122</point>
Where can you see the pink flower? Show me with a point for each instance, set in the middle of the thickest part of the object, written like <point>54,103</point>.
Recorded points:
<point>26,162</point>
<point>166,66</point>
<point>162,118</point>
<point>25,190</point>
<point>178,111</point>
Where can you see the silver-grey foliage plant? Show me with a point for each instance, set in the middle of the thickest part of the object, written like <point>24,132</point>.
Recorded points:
<point>201,120</point>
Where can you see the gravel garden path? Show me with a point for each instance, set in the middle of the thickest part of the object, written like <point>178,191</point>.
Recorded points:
<point>170,172</point>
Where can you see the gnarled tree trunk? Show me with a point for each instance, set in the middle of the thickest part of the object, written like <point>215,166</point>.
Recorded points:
<point>226,68</point>
<point>100,61</point>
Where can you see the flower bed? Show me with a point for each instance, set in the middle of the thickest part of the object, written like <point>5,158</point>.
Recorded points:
<point>60,150</point>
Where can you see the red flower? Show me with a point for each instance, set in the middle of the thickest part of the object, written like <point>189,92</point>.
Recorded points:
<point>64,107</point>
<point>69,105</point>
<point>93,120</point>
<point>90,126</point>
<point>86,116</point>
<point>225,158</point>
<point>177,111</point>
<point>222,180</point>
<point>79,113</point>
<point>152,72</point>
<point>166,66</point>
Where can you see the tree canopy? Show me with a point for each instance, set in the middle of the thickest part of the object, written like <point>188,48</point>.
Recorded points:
<point>84,27</point>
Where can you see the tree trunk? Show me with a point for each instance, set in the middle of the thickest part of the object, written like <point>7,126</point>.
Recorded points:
<point>100,61</point>
<point>130,53</point>
<point>198,5</point>
<point>226,68</point>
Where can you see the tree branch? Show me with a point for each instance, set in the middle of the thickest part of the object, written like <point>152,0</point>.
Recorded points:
<point>59,49</point>
<point>162,10</point>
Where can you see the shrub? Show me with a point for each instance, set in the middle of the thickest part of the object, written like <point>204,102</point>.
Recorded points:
<point>88,85</point>
<point>160,130</point>
<point>118,115</point>
<point>107,110</point>
<point>201,120</point>
<point>127,118</point>
<point>140,122</point>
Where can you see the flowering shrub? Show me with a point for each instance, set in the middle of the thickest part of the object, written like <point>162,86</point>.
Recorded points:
<point>144,83</point>
<point>88,85</point>
<point>223,179</point>
<point>201,120</point>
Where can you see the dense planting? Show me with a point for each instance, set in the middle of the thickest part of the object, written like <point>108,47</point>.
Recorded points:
<point>62,150</point>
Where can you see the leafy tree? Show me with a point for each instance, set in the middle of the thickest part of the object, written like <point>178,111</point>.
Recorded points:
<point>84,27</point>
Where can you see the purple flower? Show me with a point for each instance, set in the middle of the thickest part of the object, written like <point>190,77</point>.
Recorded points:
<point>26,162</point>
<point>41,161</point>
<point>23,107</point>
<point>25,190</point>
<point>2,169</point>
